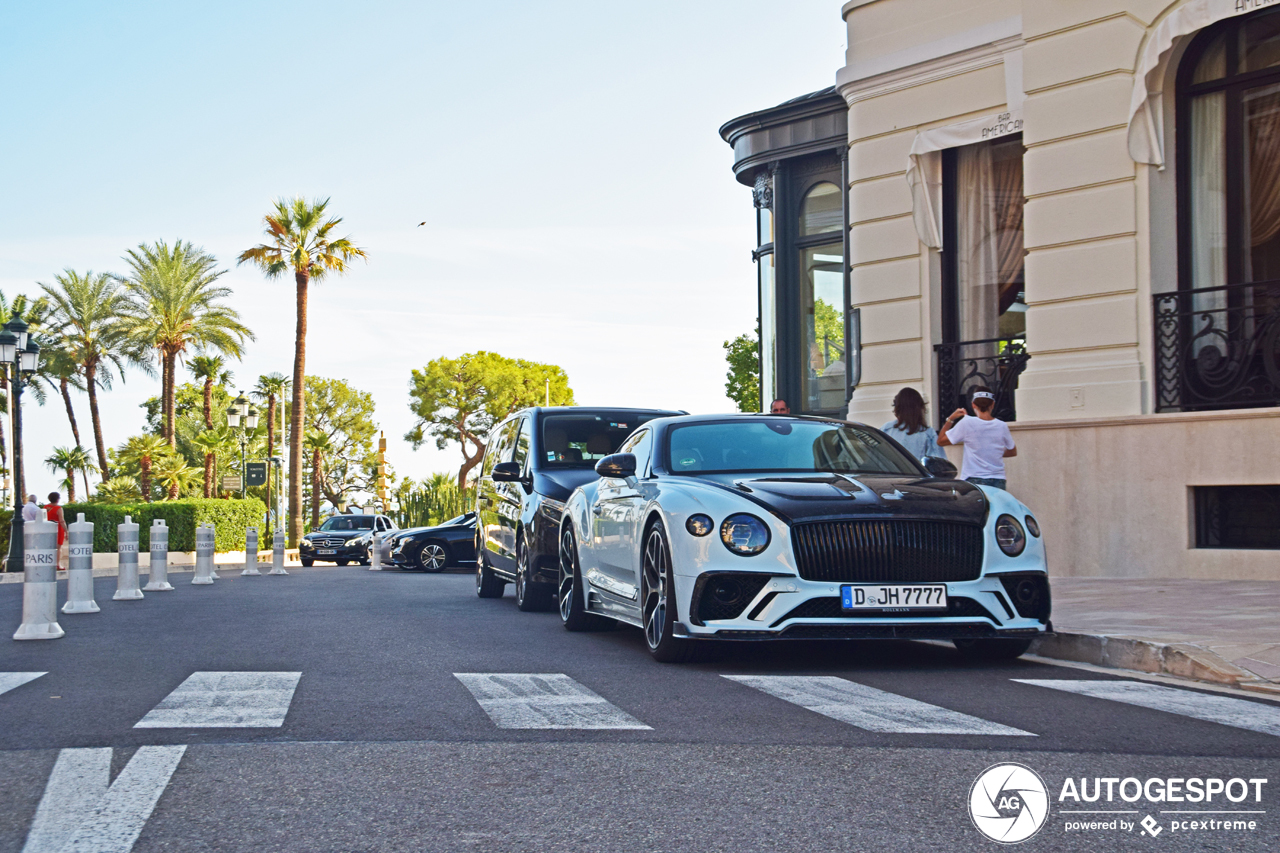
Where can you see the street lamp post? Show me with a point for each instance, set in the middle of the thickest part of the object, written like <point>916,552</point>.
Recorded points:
<point>22,355</point>
<point>241,411</point>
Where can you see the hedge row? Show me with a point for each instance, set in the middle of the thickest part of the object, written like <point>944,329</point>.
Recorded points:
<point>230,517</point>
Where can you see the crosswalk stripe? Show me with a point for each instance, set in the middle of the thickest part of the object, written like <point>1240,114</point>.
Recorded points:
<point>225,700</point>
<point>10,680</point>
<point>1227,710</point>
<point>543,701</point>
<point>869,708</point>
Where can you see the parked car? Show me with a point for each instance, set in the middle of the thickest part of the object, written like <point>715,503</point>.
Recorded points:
<point>761,527</point>
<point>342,539</point>
<point>431,549</point>
<point>533,461</point>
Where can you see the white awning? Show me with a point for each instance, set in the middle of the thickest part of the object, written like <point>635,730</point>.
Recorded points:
<point>1146,114</point>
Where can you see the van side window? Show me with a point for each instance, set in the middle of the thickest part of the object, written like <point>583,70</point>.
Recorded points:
<point>524,442</point>
<point>498,447</point>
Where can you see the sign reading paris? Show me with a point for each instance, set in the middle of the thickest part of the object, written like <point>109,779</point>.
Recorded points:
<point>255,474</point>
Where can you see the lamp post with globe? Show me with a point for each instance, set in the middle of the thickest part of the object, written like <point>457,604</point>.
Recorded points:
<point>240,411</point>
<point>21,354</point>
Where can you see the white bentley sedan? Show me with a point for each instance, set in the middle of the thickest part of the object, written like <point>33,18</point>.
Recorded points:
<point>759,527</point>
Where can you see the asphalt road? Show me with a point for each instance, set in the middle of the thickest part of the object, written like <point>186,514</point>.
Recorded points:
<point>384,747</point>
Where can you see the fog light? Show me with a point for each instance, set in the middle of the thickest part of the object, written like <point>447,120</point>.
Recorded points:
<point>727,592</point>
<point>1033,527</point>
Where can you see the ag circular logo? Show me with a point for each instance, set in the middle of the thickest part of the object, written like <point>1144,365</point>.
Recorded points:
<point>1008,803</point>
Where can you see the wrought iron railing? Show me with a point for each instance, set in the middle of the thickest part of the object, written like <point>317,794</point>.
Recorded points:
<point>1217,347</point>
<point>994,362</point>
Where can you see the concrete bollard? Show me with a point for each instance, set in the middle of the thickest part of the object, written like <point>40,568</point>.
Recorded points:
<point>80,570</point>
<point>40,585</point>
<point>251,553</point>
<point>204,555</point>
<point>277,554</point>
<point>375,553</point>
<point>158,579</point>
<point>127,549</point>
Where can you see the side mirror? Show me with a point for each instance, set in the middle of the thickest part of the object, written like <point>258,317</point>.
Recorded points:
<point>619,466</point>
<point>506,472</point>
<point>936,466</point>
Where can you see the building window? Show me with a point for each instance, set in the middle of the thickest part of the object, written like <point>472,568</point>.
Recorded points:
<point>983,299</point>
<point>822,303</point>
<point>1237,517</point>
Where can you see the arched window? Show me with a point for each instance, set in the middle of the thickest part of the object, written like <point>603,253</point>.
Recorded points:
<point>1229,154</point>
<point>821,211</point>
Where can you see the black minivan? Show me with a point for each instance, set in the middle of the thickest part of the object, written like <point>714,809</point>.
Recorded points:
<point>532,463</point>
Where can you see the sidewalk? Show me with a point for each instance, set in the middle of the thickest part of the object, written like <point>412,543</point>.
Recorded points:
<point>107,565</point>
<point>1226,632</point>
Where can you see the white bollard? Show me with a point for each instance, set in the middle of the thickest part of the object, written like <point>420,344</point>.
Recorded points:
<point>251,552</point>
<point>375,553</point>
<point>40,584</point>
<point>127,549</point>
<point>158,579</point>
<point>277,554</point>
<point>80,570</point>
<point>204,555</point>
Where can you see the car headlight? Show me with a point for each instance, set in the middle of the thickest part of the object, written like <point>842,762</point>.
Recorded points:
<point>744,535</point>
<point>699,524</point>
<point>1033,527</point>
<point>552,509</point>
<point>1009,535</point>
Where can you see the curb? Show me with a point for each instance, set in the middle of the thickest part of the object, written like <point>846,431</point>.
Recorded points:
<point>1181,660</point>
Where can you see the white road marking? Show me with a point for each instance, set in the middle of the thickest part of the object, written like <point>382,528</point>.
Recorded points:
<point>869,708</point>
<point>543,701</point>
<point>81,813</point>
<point>225,700</point>
<point>10,680</point>
<point>1227,710</point>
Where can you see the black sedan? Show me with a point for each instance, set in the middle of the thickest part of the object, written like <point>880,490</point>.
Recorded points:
<point>338,539</point>
<point>431,549</point>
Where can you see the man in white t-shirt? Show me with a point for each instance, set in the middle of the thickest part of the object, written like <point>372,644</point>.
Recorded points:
<point>986,439</point>
<point>31,510</point>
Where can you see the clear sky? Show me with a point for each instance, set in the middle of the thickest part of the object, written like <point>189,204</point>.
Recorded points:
<point>580,206</point>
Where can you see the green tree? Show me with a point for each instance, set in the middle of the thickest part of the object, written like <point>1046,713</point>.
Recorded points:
<point>209,444</point>
<point>175,475</point>
<point>301,241</point>
<point>143,451</point>
<point>344,416</point>
<point>317,444</point>
<point>176,304</point>
<point>35,314</point>
<point>742,384</point>
<point>271,389</point>
<point>70,460</point>
<point>86,312</point>
<point>212,369</point>
<point>118,490</point>
<point>460,399</point>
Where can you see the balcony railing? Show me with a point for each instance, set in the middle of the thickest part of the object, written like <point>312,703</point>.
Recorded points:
<point>1218,347</point>
<point>995,362</point>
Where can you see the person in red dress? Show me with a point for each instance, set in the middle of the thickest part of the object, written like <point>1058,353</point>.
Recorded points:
<point>53,511</point>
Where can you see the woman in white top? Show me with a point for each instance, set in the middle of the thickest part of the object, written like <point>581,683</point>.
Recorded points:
<point>986,439</point>
<point>908,427</point>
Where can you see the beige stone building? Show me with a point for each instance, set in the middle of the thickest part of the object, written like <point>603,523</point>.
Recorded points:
<point>1077,204</point>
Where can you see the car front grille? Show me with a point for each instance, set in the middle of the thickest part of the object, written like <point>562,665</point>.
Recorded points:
<point>328,543</point>
<point>830,608</point>
<point>887,551</point>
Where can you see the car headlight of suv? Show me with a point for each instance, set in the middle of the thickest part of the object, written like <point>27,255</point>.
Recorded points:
<point>552,510</point>
<point>744,535</point>
<point>1010,536</point>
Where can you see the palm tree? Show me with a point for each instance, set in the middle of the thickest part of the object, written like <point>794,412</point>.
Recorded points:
<point>34,314</point>
<point>211,442</point>
<point>270,388</point>
<point>210,368</point>
<point>70,460</point>
<point>175,475</point>
<point>318,443</point>
<point>62,370</point>
<point>301,242</point>
<point>118,490</point>
<point>176,303</point>
<point>85,311</point>
<point>143,450</point>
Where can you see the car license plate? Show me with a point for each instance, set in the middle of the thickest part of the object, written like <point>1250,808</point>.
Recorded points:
<point>894,597</point>
<point>326,551</point>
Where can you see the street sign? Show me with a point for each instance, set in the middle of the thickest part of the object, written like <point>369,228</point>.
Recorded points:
<point>230,483</point>
<point>255,473</point>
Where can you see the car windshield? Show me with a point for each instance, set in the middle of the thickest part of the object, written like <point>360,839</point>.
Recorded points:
<point>783,445</point>
<point>348,522</point>
<point>580,440</point>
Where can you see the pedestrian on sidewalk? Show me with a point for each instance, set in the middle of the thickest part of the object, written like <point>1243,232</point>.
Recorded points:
<point>909,426</point>
<point>31,509</point>
<point>986,439</point>
<point>53,512</point>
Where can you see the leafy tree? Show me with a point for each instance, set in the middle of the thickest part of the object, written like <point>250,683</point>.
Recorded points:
<point>301,241</point>
<point>70,460</point>
<point>344,416</point>
<point>461,399</point>
<point>176,304</point>
<point>210,368</point>
<point>142,451</point>
<point>122,489</point>
<point>270,389</point>
<point>742,384</point>
<point>175,475</point>
<point>86,312</point>
<point>35,314</point>
<point>826,324</point>
<point>317,444</point>
<point>210,443</point>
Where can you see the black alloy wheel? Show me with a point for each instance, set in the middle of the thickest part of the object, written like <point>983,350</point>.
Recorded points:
<point>531,597</point>
<point>992,648</point>
<point>657,595</point>
<point>573,609</point>
<point>488,584</point>
<point>433,557</point>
